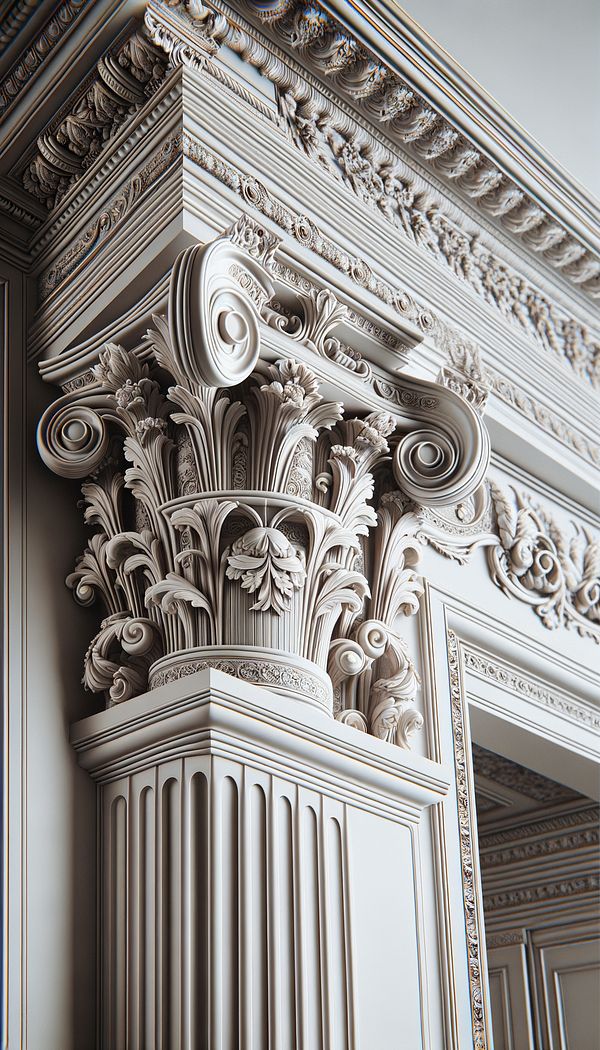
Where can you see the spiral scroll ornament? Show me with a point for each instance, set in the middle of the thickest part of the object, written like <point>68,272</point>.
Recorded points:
<point>72,435</point>
<point>215,295</point>
<point>442,465</point>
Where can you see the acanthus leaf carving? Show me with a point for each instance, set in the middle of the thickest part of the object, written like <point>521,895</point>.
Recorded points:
<point>264,561</point>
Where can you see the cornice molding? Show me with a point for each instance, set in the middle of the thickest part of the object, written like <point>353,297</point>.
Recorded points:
<point>461,354</point>
<point>14,17</point>
<point>566,843</point>
<point>427,226</point>
<point>389,101</point>
<point>518,778</point>
<point>524,828</point>
<point>555,699</point>
<point>37,53</point>
<point>374,173</point>
<point>556,890</point>
<point>123,80</point>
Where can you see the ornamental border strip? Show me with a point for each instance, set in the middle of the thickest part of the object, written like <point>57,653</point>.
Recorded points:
<point>392,104</point>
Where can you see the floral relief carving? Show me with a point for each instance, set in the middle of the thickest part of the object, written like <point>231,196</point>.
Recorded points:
<point>265,562</point>
<point>530,556</point>
<point>536,562</point>
<point>122,81</point>
<point>234,514</point>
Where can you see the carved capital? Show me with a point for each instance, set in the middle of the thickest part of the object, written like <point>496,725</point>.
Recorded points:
<point>242,520</point>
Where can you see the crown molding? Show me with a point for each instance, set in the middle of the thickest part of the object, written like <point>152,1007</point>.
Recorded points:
<point>407,87</point>
<point>37,51</point>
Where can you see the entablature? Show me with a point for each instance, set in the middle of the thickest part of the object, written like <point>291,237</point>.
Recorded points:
<point>181,170</point>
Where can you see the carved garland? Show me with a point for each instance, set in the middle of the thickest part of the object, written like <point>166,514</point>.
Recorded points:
<point>305,27</point>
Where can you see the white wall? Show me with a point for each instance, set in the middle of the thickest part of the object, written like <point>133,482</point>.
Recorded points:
<point>540,59</point>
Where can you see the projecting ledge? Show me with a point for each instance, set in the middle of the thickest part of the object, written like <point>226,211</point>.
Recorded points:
<point>211,713</point>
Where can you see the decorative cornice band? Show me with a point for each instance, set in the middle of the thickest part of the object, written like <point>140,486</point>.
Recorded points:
<point>379,177</point>
<point>124,78</point>
<point>461,353</point>
<point>111,216</point>
<point>29,63</point>
<point>551,825</point>
<point>563,889</point>
<point>306,27</point>
<point>505,939</point>
<point>486,667</point>
<point>542,848</point>
<point>335,140</point>
<point>17,211</point>
<point>18,14</point>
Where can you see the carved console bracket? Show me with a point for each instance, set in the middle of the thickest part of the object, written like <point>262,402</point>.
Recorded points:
<point>242,522</point>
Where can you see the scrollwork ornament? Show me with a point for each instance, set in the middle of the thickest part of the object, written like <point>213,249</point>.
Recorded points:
<point>72,436</point>
<point>534,562</point>
<point>215,294</point>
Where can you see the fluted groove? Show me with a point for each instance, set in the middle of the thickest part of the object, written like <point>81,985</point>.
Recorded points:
<point>338,968</point>
<point>229,1006</point>
<point>259,917</point>
<point>118,922</point>
<point>311,923</point>
<point>146,890</point>
<point>170,964</point>
<point>287,939</point>
<point>226,920</point>
<point>198,891</point>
